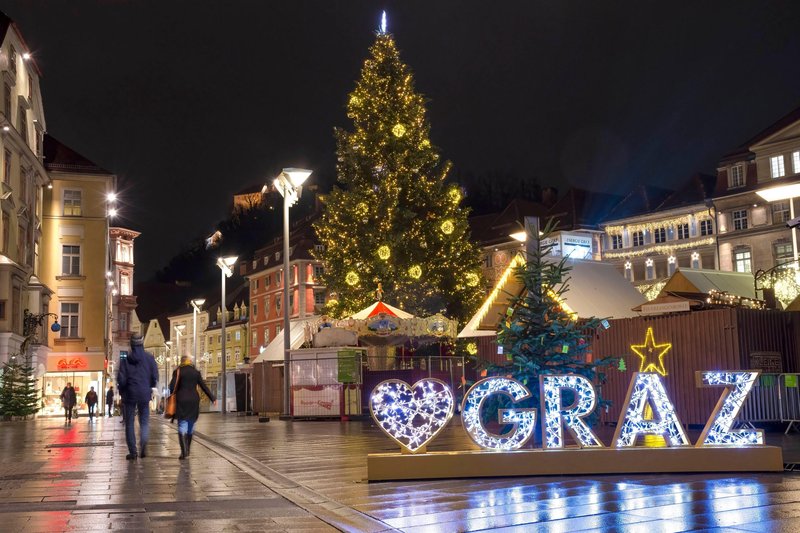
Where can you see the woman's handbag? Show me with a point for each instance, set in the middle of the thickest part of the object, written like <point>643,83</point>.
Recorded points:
<point>172,400</point>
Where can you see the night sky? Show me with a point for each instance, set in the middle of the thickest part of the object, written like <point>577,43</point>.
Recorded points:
<point>190,101</point>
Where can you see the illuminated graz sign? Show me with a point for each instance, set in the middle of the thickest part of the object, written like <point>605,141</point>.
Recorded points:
<point>413,415</point>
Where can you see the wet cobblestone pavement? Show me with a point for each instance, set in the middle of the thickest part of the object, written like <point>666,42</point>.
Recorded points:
<point>310,476</point>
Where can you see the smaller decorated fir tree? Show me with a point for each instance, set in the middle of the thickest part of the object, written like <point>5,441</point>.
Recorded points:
<point>539,334</point>
<point>19,396</point>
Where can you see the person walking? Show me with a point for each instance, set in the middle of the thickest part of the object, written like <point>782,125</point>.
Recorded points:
<point>137,376</point>
<point>110,400</point>
<point>184,383</point>
<point>68,401</point>
<point>91,402</point>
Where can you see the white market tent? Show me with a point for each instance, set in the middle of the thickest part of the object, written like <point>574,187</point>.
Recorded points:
<point>297,336</point>
<point>595,290</point>
<point>701,282</point>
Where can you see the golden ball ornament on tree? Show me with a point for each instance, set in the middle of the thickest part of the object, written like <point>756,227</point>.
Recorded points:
<point>472,279</point>
<point>355,100</point>
<point>415,271</point>
<point>398,130</point>
<point>472,348</point>
<point>454,194</point>
<point>384,252</point>
<point>351,278</point>
<point>447,227</point>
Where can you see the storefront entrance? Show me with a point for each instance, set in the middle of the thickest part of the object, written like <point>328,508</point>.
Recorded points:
<point>54,382</point>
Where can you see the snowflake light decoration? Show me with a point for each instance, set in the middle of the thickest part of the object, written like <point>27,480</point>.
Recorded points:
<point>718,429</point>
<point>572,416</point>
<point>411,416</point>
<point>415,271</point>
<point>351,278</point>
<point>384,252</point>
<point>472,279</point>
<point>447,227</point>
<point>647,388</point>
<point>398,130</point>
<point>524,420</point>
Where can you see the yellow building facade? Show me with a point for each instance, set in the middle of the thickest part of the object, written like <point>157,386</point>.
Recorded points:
<point>236,335</point>
<point>74,261</point>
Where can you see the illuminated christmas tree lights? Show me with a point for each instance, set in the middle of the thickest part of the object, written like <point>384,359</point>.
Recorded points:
<point>393,219</point>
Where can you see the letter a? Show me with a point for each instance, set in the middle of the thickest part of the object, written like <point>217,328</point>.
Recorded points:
<point>646,387</point>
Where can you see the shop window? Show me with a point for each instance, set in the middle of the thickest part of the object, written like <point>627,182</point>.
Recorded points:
<point>72,203</point>
<point>780,212</point>
<point>638,238</point>
<point>742,261</point>
<point>70,317</point>
<point>70,260</point>
<point>736,177</point>
<point>706,227</point>
<point>740,219</point>
<point>777,170</point>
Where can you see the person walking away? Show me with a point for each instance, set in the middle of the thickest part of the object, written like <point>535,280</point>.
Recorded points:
<point>137,376</point>
<point>91,402</point>
<point>184,383</point>
<point>110,400</point>
<point>68,401</point>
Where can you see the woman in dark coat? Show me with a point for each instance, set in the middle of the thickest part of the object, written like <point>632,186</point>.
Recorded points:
<point>187,400</point>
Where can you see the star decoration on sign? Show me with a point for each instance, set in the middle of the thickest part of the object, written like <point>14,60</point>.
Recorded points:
<point>652,354</point>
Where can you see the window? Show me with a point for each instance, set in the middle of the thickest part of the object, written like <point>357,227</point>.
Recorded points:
<point>740,220</point>
<point>255,339</point>
<point>278,305</point>
<point>741,261</point>
<point>660,234</point>
<point>736,177</point>
<point>7,102</point>
<point>628,271</point>
<point>255,285</point>
<point>70,260</point>
<point>123,322</point>
<point>6,227</point>
<point>125,284</point>
<point>649,268</point>
<point>255,309</point>
<point>30,87</point>
<point>638,238</point>
<point>2,309</point>
<point>72,203</point>
<point>319,247</point>
<point>780,212</point>
<point>266,307</point>
<point>319,270</point>
<point>278,276</point>
<point>776,166</point>
<point>237,335</point>
<point>23,124</point>
<point>267,281</point>
<point>227,356</point>
<point>783,252</point>
<point>12,59</point>
<point>616,242</point>
<point>683,231</point>
<point>319,297</point>
<point>227,337</point>
<point>706,228</point>
<point>487,261</point>
<point>796,162</point>
<point>291,301</point>
<point>69,320</point>
<point>7,166</point>
<point>697,262</point>
<point>672,265</point>
<point>219,357</point>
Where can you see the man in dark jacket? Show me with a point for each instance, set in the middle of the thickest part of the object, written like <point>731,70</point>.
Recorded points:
<point>137,376</point>
<point>110,400</point>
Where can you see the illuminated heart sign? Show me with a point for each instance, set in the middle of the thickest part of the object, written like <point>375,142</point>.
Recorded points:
<point>412,416</point>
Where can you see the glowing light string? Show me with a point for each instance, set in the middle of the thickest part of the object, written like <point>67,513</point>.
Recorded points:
<point>647,388</point>
<point>718,429</point>
<point>523,420</point>
<point>411,416</point>
<point>556,416</point>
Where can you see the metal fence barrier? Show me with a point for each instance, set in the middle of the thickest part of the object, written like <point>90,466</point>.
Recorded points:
<point>774,398</point>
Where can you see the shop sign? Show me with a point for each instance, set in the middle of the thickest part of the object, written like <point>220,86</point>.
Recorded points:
<point>413,415</point>
<point>71,363</point>
<point>670,307</point>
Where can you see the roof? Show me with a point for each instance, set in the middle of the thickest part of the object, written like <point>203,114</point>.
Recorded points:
<point>297,336</point>
<point>696,190</point>
<point>5,23</point>
<point>744,148</point>
<point>595,290</point>
<point>496,227</point>
<point>688,281</point>
<point>378,308</point>
<point>583,209</point>
<point>642,199</point>
<point>58,157</point>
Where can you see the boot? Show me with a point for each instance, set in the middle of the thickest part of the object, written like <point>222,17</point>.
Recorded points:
<point>188,443</point>
<point>182,441</point>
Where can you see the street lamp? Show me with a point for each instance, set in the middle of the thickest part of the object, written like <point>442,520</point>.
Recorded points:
<point>196,303</point>
<point>225,264</point>
<point>167,355</point>
<point>290,184</point>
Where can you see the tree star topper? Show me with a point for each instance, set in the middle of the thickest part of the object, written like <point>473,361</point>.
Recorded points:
<point>652,354</point>
<point>383,22</point>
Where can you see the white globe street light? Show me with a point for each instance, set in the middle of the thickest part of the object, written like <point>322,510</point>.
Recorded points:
<point>290,184</point>
<point>225,265</point>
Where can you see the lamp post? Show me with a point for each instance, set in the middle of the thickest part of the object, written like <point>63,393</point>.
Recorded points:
<point>224,264</point>
<point>111,212</point>
<point>290,184</point>
<point>196,303</point>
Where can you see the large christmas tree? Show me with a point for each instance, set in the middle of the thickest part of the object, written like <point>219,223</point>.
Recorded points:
<point>393,220</point>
